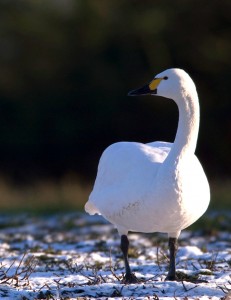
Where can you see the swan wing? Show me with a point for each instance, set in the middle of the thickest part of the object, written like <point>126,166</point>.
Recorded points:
<point>125,175</point>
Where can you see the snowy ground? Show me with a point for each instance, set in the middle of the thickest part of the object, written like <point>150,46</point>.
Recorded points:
<point>75,256</point>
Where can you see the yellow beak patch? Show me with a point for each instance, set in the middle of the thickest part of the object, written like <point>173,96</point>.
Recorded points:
<point>154,83</point>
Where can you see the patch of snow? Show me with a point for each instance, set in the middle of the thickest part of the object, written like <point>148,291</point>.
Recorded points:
<point>189,252</point>
<point>75,256</point>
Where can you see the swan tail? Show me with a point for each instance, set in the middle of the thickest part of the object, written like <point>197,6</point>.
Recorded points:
<point>91,209</point>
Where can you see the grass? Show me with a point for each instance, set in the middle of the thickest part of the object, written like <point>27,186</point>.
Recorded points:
<point>71,193</point>
<point>44,196</point>
<point>220,194</point>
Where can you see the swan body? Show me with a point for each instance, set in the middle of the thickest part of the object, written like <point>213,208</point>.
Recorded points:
<point>159,186</point>
<point>136,194</point>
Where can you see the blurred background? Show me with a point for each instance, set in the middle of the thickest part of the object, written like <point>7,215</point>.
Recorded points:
<point>66,67</point>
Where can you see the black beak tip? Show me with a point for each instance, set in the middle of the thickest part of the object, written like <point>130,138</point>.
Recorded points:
<point>132,93</point>
<point>144,90</point>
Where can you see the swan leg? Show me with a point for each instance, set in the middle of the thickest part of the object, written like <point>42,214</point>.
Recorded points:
<point>129,276</point>
<point>173,245</point>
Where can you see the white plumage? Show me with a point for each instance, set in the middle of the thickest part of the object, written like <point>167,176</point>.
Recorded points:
<point>159,186</point>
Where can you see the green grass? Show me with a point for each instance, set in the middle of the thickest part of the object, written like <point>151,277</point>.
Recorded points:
<point>70,194</point>
<point>221,194</point>
<point>44,196</point>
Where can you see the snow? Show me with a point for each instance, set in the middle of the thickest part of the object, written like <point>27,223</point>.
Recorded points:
<point>74,256</point>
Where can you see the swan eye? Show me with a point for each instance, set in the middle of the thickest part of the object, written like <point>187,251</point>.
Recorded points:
<point>165,78</point>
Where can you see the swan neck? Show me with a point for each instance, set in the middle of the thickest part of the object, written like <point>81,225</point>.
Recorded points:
<point>188,127</point>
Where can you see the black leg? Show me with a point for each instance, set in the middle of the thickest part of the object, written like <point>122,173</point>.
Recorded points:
<point>129,276</point>
<point>173,245</point>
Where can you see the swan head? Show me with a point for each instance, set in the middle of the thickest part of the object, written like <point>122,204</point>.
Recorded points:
<point>171,83</point>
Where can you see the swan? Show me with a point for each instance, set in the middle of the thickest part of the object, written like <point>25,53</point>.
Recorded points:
<point>158,186</point>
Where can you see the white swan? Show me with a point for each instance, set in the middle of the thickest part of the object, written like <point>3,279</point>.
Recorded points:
<point>159,186</point>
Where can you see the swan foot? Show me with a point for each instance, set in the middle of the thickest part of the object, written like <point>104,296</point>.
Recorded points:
<point>130,278</point>
<point>171,278</point>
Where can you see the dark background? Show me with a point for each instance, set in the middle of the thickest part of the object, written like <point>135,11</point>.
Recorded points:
<point>66,67</point>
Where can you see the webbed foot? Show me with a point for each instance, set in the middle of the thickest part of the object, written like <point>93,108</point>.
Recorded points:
<point>130,278</point>
<point>171,278</point>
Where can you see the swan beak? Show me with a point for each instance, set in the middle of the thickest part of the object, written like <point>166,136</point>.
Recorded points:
<point>148,89</point>
<point>144,90</point>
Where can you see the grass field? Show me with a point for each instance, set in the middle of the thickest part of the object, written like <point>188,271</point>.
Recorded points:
<point>44,196</point>
<point>71,193</point>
